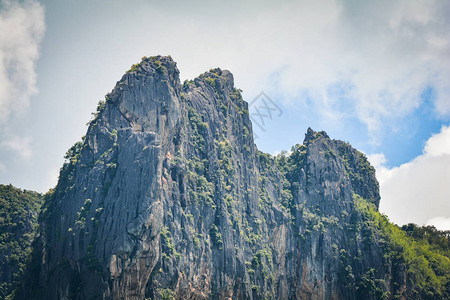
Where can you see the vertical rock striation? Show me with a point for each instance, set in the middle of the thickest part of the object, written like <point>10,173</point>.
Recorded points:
<point>167,196</point>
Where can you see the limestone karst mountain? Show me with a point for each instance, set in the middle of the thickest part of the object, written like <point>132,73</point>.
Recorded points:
<point>167,196</point>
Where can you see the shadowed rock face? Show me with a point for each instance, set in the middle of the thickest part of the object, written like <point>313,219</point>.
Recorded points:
<point>167,196</point>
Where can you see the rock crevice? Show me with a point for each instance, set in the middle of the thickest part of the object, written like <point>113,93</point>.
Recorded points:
<point>168,196</point>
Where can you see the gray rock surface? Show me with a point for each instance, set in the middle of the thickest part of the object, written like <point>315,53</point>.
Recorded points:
<point>167,196</point>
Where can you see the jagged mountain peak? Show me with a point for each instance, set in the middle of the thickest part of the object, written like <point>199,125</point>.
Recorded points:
<point>224,76</point>
<point>312,135</point>
<point>168,196</point>
<point>155,65</point>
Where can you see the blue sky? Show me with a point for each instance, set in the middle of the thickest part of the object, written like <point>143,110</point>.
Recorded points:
<point>373,73</point>
<point>400,143</point>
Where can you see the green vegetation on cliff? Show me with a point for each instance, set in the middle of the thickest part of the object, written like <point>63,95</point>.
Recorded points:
<point>438,240</point>
<point>19,211</point>
<point>168,197</point>
<point>427,270</point>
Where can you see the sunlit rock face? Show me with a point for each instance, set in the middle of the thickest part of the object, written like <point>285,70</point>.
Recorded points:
<point>167,197</point>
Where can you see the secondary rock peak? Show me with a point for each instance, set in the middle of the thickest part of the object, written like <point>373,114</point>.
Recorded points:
<point>213,76</point>
<point>312,135</point>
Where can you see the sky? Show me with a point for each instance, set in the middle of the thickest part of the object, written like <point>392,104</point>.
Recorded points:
<point>373,73</point>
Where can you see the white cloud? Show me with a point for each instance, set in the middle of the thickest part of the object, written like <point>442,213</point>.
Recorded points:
<point>441,223</point>
<point>439,144</point>
<point>52,179</point>
<point>17,144</point>
<point>418,190</point>
<point>22,27</point>
<point>383,53</point>
<point>377,159</point>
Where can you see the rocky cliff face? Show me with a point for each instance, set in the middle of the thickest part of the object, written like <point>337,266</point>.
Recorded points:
<point>168,197</point>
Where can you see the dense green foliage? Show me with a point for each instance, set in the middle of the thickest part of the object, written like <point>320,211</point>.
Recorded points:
<point>427,271</point>
<point>438,240</point>
<point>290,167</point>
<point>19,211</point>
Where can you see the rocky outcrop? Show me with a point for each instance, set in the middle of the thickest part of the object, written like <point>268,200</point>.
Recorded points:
<point>167,196</point>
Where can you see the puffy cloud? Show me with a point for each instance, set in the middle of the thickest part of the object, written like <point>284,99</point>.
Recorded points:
<point>439,144</point>
<point>340,59</point>
<point>17,144</point>
<point>372,59</point>
<point>22,27</point>
<point>377,159</point>
<point>52,179</point>
<point>440,223</point>
<point>418,190</point>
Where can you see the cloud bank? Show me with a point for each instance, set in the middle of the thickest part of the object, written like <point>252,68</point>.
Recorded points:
<point>16,144</point>
<point>418,190</point>
<point>372,59</point>
<point>22,28</point>
<point>440,223</point>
